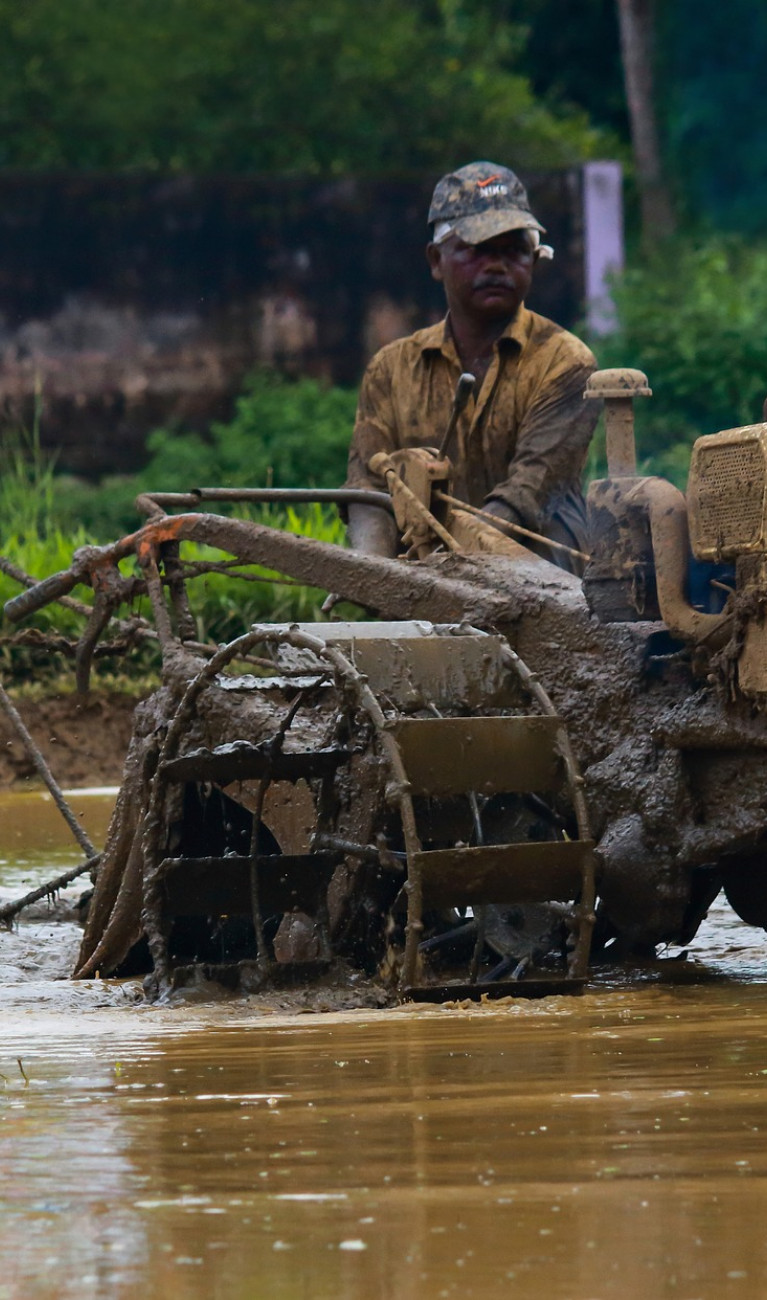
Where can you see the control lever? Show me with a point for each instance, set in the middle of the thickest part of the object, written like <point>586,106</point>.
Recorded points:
<point>463,391</point>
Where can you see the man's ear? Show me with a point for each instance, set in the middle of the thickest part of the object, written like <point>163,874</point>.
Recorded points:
<point>434,258</point>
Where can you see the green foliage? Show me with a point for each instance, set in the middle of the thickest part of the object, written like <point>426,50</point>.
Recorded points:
<point>348,85</point>
<point>285,433</point>
<point>573,56</point>
<point>693,320</point>
<point>26,485</point>
<point>709,72</point>
<point>104,509</point>
<point>32,537</point>
<point>34,542</point>
<point>289,433</point>
<point>40,536</point>
<point>41,555</point>
<point>224,606</point>
<point>712,61</point>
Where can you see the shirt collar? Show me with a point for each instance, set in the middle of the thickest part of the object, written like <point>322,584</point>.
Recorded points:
<point>437,338</point>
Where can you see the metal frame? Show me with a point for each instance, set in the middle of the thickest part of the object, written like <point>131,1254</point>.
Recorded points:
<point>582,914</point>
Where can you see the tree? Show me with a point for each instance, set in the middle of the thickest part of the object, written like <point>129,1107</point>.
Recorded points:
<point>636,33</point>
<point>712,60</point>
<point>345,86</point>
<point>572,56</point>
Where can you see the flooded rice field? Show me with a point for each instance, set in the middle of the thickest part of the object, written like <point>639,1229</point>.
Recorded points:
<point>611,1145</point>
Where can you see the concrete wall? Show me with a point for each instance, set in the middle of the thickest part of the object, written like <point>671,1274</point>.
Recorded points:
<point>132,301</point>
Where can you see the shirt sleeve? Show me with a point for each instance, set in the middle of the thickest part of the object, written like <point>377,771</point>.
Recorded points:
<point>374,425</point>
<point>552,440</point>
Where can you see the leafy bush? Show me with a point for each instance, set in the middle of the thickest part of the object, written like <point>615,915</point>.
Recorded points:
<point>693,320</point>
<point>26,480</point>
<point>32,538</point>
<point>41,529</point>
<point>33,542</point>
<point>224,606</point>
<point>289,433</point>
<point>346,86</point>
<point>292,433</point>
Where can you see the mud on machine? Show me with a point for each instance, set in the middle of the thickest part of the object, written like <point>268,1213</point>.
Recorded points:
<point>439,795</point>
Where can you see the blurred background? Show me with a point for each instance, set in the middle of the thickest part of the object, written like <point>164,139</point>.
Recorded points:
<point>211,216</point>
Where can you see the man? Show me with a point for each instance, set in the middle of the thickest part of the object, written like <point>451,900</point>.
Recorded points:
<point>520,445</point>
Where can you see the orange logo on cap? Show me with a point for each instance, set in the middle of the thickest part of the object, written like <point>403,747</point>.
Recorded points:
<point>481,184</point>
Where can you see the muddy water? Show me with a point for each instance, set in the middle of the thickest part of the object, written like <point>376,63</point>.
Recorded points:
<point>34,839</point>
<point>611,1145</point>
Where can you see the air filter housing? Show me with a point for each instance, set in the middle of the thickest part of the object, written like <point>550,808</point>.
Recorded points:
<point>727,494</point>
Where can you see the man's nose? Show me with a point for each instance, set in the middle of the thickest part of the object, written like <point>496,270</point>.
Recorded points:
<point>497,259</point>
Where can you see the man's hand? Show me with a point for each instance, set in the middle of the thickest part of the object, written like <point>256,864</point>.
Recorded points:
<point>372,530</point>
<point>501,510</point>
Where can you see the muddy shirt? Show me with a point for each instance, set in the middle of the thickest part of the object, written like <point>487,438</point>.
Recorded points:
<point>522,439</point>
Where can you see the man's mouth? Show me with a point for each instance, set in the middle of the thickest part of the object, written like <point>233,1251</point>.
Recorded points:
<point>489,282</point>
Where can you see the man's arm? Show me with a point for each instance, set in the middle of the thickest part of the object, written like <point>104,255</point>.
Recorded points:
<point>371,529</point>
<point>552,441</point>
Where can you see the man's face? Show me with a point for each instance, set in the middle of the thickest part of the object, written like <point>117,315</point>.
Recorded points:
<point>485,281</point>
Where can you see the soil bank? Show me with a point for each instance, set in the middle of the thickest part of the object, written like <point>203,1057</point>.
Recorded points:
<point>83,739</point>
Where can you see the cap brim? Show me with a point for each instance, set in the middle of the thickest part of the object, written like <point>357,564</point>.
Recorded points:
<point>497,221</point>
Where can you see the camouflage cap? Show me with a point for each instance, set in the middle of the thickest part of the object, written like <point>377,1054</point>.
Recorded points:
<point>480,201</point>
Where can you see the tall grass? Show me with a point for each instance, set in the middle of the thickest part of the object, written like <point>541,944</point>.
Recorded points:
<point>283,433</point>
<point>692,318</point>
<point>32,538</point>
<point>224,605</point>
<point>30,535</point>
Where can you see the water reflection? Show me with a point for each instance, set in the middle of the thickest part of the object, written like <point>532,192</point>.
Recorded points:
<point>578,1149</point>
<point>34,837</point>
<point>602,1147</point>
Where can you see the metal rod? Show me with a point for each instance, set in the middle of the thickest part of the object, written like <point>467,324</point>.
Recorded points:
<point>26,580</point>
<point>148,561</point>
<point>274,748</point>
<point>9,910</point>
<point>148,502</point>
<point>620,447</point>
<point>480,912</point>
<point>463,391</point>
<point>101,613</point>
<point>423,512</point>
<point>327,810</point>
<point>497,522</point>
<point>368,852</point>
<point>43,770</point>
<point>84,561</point>
<point>174,576</point>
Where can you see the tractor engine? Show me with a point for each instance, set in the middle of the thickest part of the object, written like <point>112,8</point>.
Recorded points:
<point>727,504</point>
<point>700,563</point>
